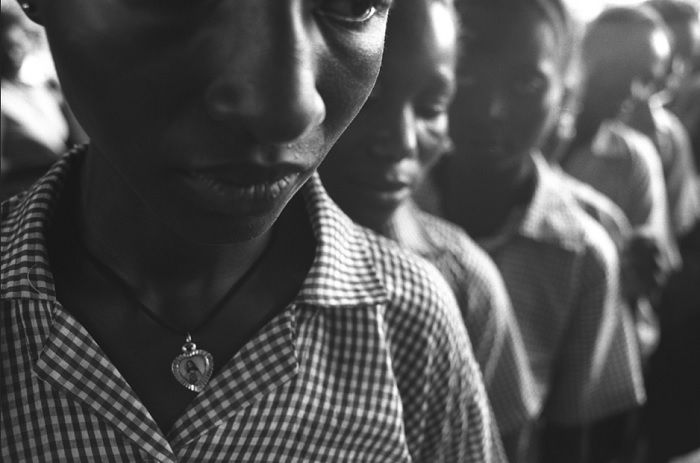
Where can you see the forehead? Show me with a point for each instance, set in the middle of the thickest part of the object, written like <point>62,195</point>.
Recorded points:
<point>515,36</point>
<point>420,31</point>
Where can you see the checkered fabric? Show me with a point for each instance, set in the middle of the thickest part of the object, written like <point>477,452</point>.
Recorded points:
<point>370,363</point>
<point>683,191</point>
<point>486,309</point>
<point>613,220</point>
<point>600,207</point>
<point>561,272</point>
<point>623,164</point>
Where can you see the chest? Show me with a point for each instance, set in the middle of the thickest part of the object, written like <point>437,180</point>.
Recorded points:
<point>303,398</point>
<point>542,285</point>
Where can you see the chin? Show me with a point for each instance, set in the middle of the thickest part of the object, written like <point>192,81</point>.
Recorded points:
<point>215,230</point>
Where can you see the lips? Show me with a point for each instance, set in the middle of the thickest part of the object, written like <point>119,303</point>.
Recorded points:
<point>239,189</point>
<point>242,187</point>
<point>245,175</point>
<point>386,181</point>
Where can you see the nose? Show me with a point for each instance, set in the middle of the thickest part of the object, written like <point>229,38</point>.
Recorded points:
<point>268,86</point>
<point>397,139</point>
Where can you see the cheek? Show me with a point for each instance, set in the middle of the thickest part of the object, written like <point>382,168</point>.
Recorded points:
<point>432,142</point>
<point>350,150</point>
<point>346,77</point>
<point>119,69</point>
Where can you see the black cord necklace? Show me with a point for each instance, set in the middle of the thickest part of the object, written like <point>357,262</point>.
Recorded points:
<point>193,367</point>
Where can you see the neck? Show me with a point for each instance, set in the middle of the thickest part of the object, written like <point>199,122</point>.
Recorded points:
<point>403,227</point>
<point>126,235</point>
<point>482,199</point>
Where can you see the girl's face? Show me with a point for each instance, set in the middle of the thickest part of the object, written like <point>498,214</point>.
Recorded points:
<point>403,127</point>
<point>215,112</point>
<point>510,87</point>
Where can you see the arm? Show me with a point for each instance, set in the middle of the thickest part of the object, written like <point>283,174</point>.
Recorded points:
<point>650,215</point>
<point>446,412</point>
<point>599,372</point>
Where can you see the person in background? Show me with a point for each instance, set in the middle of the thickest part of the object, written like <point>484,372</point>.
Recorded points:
<point>381,158</point>
<point>682,93</point>
<point>605,153</point>
<point>35,130</point>
<point>657,74</point>
<point>194,228</point>
<point>672,412</point>
<point>560,267</point>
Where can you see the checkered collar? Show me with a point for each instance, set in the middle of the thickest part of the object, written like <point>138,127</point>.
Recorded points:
<point>544,218</point>
<point>343,273</point>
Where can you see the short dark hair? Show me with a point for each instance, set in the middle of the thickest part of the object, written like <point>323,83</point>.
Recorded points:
<point>678,13</point>
<point>620,17</point>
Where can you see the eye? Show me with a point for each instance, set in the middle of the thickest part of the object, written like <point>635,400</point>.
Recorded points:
<point>351,11</point>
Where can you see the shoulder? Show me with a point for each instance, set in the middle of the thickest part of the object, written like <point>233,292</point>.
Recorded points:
<point>638,149</point>
<point>598,206</point>
<point>420,304</point>
<point>410,281</point>
<point>556,218</point>
<point>465,265</point>
<point>667,121</point>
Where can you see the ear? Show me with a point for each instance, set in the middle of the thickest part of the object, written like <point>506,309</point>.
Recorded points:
<point>30,8</point>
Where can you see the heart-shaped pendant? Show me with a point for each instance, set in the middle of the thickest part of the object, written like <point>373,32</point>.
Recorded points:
<point>193,367</point>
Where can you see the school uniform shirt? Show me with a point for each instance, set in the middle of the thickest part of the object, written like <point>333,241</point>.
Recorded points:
<point>487,312</point>
<point>562,273</point>
<point>624,165</point>
<point>644,322</point>
<point>370,362</point>
<point>673,143</point>
<point>600,207</point>
<point>685,107</point>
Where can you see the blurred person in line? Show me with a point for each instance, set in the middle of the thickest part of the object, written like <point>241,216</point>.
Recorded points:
<point>383,155</point>
<point>560,267</point>
<point>183,288</point>
<point>672,413</point>
<point>607,154</point>
<point>655,78</point>
<point>35,130</point>
<point>642,273</point>
<point>683,91</point>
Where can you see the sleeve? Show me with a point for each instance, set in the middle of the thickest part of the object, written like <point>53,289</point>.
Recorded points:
<point>657,221</point>
<point>484,305</point>
<point>446,412</point>
<point>640,207</point>
<point>682,188</point>
<point>598,372</point>
<point>498,346</point>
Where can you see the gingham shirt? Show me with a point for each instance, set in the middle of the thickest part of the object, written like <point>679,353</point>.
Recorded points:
<point>370,363</point>
<point>600,207</point>
<point>673,143</point>
<point>487,312</point>
<point>613,220</point>
<point>623,164</point>
<point>561,271</point>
